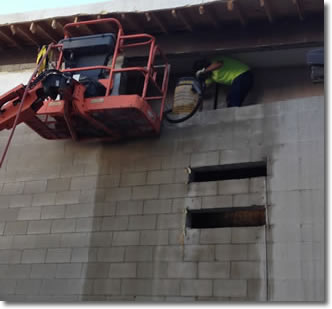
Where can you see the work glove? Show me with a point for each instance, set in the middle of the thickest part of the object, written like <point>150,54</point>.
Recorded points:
<point>199,73</point>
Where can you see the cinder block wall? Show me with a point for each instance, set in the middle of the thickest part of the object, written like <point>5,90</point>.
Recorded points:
<point>99,221</point>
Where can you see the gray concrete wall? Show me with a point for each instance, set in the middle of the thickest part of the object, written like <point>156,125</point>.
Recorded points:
<point>98,221</point>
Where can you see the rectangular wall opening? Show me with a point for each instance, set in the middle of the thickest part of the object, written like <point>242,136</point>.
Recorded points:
<point>225,217</point>
<point>227,171</point>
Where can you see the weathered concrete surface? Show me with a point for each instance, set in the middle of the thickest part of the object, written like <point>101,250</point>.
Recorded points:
<point>99,221</point>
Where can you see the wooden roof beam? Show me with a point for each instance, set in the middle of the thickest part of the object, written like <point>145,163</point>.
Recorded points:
<point>17,29</point>
<point>131,22</point>
<point>299,8</point>
<point>267,8</point>
<point>151,16</point>
<point>181,17</point>
<point>57,26</point>
<point>35,28</point>
<point>233,6</point>
<point>209,14</point>
<point>9,39</point>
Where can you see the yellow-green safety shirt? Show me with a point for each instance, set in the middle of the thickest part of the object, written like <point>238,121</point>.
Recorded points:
<point>230,70</point>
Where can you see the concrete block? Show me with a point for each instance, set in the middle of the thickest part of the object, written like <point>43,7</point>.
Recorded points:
<point>199,253</point>
<point>32,256</point>
<point>67,197</point>
<point>36,241</point>
<point>257,184</point>
<point>80,210</point>
<point>191,236</point>
<point>36,186</point>
<point>7,287</point>
<point>115,223</point>
<point>136,287</point>
<point>58,255</point>
<point>154,237</point>
<point>110,254</point>
<point>182,270</point>
<point>175,161</point>
<point>234,186</point>
<point>166,287</point>
<point>202,188</point>
<point>95,270</point>
<point>12,188</point>
<point>145,192</point>
<point>133,179</point>
<point>58,185</point>
<point>181,175</point>
<point>6,242</point>
<point>84,255</point>
<point>168,253</point>
<point>29,213</point>
<point>5,200</point>
<point>63,226</point>
<point>43,199</point>
<point>83,183</point>
<point>125,238</point>
<point>230,288</point>
<point>240,200</point>
<point>173,190</point>
<point>16,228</point>
<point>69,170</point>
<point>237,155</point>
<point>129,208</point>
<point>248,235</point>
<point>157,206</point>
<point>160,177</point>
<point>88,224</point>
<point>231,252</point>
<point>39,227</point>
<point>247,270</point>
<point>217,201</point>
<point>18,271</point>
<point>204,158</point>
<point>2,227</point>
<point>72,270</point>
<point>145,270</point>
<point>54,287</point>
<point>216,270</point>
<point>256,290</point>
<point>138,254</point>
<point>196,288</point>
<point>92,196</point>
<point>72,240</point>
<point>10,256</point>
<point>8,214</point>
<point>104,209</point>
<point>108,181</point>
<point>24,200</point>
<point>53,212</point>
<point>146,222</point>
<point>180,204</point>
<point>170,221</point>
<point>118,194</point>
<point>43,271</point>
<point>215,236</point>
<point>100,239</point>
<point>122,270</point>
<point>28,287</point>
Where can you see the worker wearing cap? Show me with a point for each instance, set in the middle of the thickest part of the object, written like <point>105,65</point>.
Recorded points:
<point>229,72</point>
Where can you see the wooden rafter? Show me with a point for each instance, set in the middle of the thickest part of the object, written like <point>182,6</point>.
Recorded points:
<point>7,38</point>
<point>211,16</point>
<point>299,8</point>
<point>233,6</point>
<point>18,29</point>
<point>181,17</point>
<point>36,28</point>
<point>151,16</point>
<point>267,8</point>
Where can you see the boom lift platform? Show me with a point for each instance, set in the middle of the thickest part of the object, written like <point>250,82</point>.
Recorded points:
<point>83,97</point>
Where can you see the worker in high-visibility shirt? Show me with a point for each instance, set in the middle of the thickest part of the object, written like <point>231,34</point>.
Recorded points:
<point>229,72</point>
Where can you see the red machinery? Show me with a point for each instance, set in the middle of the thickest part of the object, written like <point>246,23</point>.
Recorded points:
<point>83,97</point>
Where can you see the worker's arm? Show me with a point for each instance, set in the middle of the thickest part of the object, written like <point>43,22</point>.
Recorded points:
<point>214,66</point>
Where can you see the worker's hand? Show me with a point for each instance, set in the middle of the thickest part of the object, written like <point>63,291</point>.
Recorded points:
<point>199,73</point>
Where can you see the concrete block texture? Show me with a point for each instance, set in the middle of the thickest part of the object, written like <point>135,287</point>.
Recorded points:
<point>109,224</point>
